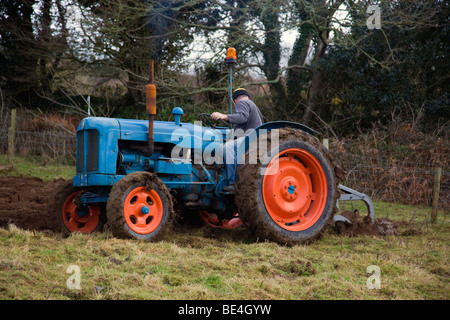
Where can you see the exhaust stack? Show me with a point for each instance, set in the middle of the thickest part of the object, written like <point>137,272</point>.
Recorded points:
<point>150,103</point>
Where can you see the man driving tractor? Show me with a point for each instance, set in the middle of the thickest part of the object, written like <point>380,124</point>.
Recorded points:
<point>247,116</point>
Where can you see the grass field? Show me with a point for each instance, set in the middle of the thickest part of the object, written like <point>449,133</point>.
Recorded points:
<point>31,167</point>
<point>204,263</point>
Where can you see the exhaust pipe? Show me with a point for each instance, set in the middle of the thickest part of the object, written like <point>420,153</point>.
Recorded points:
<point>150,104</point>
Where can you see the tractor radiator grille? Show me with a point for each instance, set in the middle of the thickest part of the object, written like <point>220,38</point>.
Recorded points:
<point>87,151</point>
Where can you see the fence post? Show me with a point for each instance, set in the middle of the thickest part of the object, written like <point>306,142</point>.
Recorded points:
<point>436,189</point>
<point>12,136</point>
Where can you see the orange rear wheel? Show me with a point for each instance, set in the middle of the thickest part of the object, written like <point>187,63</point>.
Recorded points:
<point>289,196</point>
<point>295,191</point>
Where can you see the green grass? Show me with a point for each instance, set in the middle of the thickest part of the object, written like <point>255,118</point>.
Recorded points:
<point>32,167</point>
<point>208,263</point>
<point>199,265</point>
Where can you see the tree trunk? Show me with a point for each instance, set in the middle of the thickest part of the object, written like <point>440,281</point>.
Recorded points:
<point>317,89</point>
<point>296,77</point>
<point>316,92</point>
<point>272,56</point>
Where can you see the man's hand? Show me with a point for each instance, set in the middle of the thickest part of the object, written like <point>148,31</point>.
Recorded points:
<point>219,116</point>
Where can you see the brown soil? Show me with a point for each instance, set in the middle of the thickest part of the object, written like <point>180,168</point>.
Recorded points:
<point>24,201</point>
<point>364,226</point>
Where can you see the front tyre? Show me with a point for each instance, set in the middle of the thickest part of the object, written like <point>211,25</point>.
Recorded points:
<point>139,207</point>
<point>71,215</point>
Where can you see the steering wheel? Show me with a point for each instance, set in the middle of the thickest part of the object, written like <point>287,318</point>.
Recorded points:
<point>209,123</point>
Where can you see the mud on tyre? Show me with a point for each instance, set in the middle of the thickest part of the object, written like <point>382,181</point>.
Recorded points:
<point>289,197</point>
<point>139,207</point>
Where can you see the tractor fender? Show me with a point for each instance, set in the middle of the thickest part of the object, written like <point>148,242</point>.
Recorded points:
<point>283,124</point>
<point>268,126</point>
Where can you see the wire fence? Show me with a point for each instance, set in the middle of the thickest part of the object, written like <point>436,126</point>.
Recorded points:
<point>381,178</point>
<point>46,145</point>
<point>46,139</point>
<point>388,180</point>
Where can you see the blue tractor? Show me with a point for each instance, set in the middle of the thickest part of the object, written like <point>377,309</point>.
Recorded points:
<point>137,176</point>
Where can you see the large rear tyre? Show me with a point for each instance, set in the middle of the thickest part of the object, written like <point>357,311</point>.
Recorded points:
<point>71,215</point>
<point>291,196</point>
<point>139,207</point>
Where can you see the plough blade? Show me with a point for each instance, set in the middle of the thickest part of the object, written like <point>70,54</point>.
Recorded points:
<point>348,194</point>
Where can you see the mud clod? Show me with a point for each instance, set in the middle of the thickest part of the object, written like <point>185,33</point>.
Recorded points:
<point>364,226</point>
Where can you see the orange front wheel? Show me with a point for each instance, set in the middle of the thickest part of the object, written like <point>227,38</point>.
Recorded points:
<point>71,215</point>
<point>139,207</point>
<point>84,219</point>
<point>143,210</point>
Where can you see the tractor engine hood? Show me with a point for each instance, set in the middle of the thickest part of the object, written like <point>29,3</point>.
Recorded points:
<point>183,134</point>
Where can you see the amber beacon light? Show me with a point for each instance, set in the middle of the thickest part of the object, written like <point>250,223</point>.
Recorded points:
<point>230,60</point>
<point>231,55</point>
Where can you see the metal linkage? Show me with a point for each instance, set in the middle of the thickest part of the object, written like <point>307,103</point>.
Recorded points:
<point>349,195</point>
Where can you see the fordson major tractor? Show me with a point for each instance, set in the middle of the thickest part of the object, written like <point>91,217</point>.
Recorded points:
<point>136,176</point>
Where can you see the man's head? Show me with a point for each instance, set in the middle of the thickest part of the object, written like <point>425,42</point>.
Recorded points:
<point>240,94</point>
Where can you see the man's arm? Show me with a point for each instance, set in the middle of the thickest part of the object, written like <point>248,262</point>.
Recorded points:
<point>241,114</point>
<point>219,116</point>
